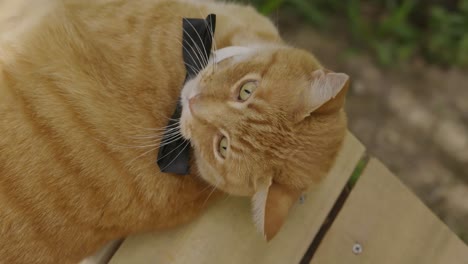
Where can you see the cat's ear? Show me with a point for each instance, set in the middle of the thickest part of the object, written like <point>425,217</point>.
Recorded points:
<point>271,203</point>
<point>326,92</point>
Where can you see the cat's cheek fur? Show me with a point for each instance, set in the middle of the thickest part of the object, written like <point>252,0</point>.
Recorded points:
<point>186,120</point>
<point>207,172</point>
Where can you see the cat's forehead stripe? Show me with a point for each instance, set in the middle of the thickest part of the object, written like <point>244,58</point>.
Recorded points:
<point>229,52</point>
<point>269,65</point>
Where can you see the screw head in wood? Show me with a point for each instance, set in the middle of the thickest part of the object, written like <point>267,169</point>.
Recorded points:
<point>357,249</point>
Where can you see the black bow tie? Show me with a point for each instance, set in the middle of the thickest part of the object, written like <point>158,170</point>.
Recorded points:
<point>174,155</point>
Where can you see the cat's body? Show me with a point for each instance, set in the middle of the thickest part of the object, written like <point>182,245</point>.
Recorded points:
<point>81,87</point>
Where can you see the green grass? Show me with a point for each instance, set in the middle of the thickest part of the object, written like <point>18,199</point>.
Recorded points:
<point>393,31</point>
<point>358,171</point>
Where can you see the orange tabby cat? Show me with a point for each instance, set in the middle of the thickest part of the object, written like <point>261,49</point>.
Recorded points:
<point>86,89</point>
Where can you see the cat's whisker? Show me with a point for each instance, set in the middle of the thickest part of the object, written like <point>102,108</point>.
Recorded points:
<point>152,138</point>
<point>169,135</point>
<point>171,151</point>
<point>137,146</point>
<point>213,41</point>
<point>156,134</point>
<point>192,67</point>
<point>167,141</point>
<point>139,156</point>
<point>227,197</point>
<point>201,59</point>
<point>188,143</point>
<point>196,55</point>
<point>118,145</point>
<point>172,133</point>
<point>211,193</point>
<point>157,141</point>
<point>157,130</point>
<point>205,62</point>
<point>170,141</point>
<point>172,119</point>
<point>155,146</point>
<point>197,69</point>
<point>196,52</point>
<point>154,129</point>
<point>166,117</point>
<point>204,189</point>
<point>150,142</point>
<point>204,48</point>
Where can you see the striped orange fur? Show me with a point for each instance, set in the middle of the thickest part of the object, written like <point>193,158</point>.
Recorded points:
<point>86,89</point>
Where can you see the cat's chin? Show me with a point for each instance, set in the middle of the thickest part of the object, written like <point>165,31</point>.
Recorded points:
<point>189,90</point>
<point>184,123</point>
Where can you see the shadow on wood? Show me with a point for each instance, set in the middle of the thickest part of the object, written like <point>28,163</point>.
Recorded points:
<point>380,221</point>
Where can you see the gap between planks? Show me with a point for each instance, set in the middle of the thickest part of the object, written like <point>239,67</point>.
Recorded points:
<point>225,232</point>
<point>383,222</point>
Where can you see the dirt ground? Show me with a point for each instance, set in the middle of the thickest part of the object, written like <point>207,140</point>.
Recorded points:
<point>412,117</point>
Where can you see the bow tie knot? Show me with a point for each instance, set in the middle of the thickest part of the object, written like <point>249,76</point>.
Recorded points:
<point>197,38</point>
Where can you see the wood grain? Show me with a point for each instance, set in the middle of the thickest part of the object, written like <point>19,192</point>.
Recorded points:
<point>391,224</point>
<point>225,233</point>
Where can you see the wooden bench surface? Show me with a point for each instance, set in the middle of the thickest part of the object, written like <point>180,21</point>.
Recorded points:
<point>383,222</point>
<point>380,222</point>
<point>226,234</point>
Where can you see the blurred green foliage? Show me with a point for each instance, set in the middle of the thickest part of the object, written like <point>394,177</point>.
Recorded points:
<point>394,30</point>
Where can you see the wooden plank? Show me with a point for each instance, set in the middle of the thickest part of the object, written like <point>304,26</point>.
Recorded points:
<point>391,224</point>
<point>225,233</point>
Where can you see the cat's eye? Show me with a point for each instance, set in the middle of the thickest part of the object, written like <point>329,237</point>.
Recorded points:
<point>247,90</point>
<point>223,147</point>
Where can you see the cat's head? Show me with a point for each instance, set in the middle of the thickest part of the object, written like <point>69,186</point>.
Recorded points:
<point>265,123</point>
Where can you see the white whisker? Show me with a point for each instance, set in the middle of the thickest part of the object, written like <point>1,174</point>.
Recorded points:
<point>155,141</point>
<point>199,67</point>
<point>172,151</point>
<point>192,68</point>
<point>170,141</point>
<point>156,135</point>
<point>213,42</point>
<point>176,123</point>
<point>188,143</point>
<point>201,59</point>
<point>139,156</point>
<point>205,62</point>
<point>155,129</point>
<point>209,195</point>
